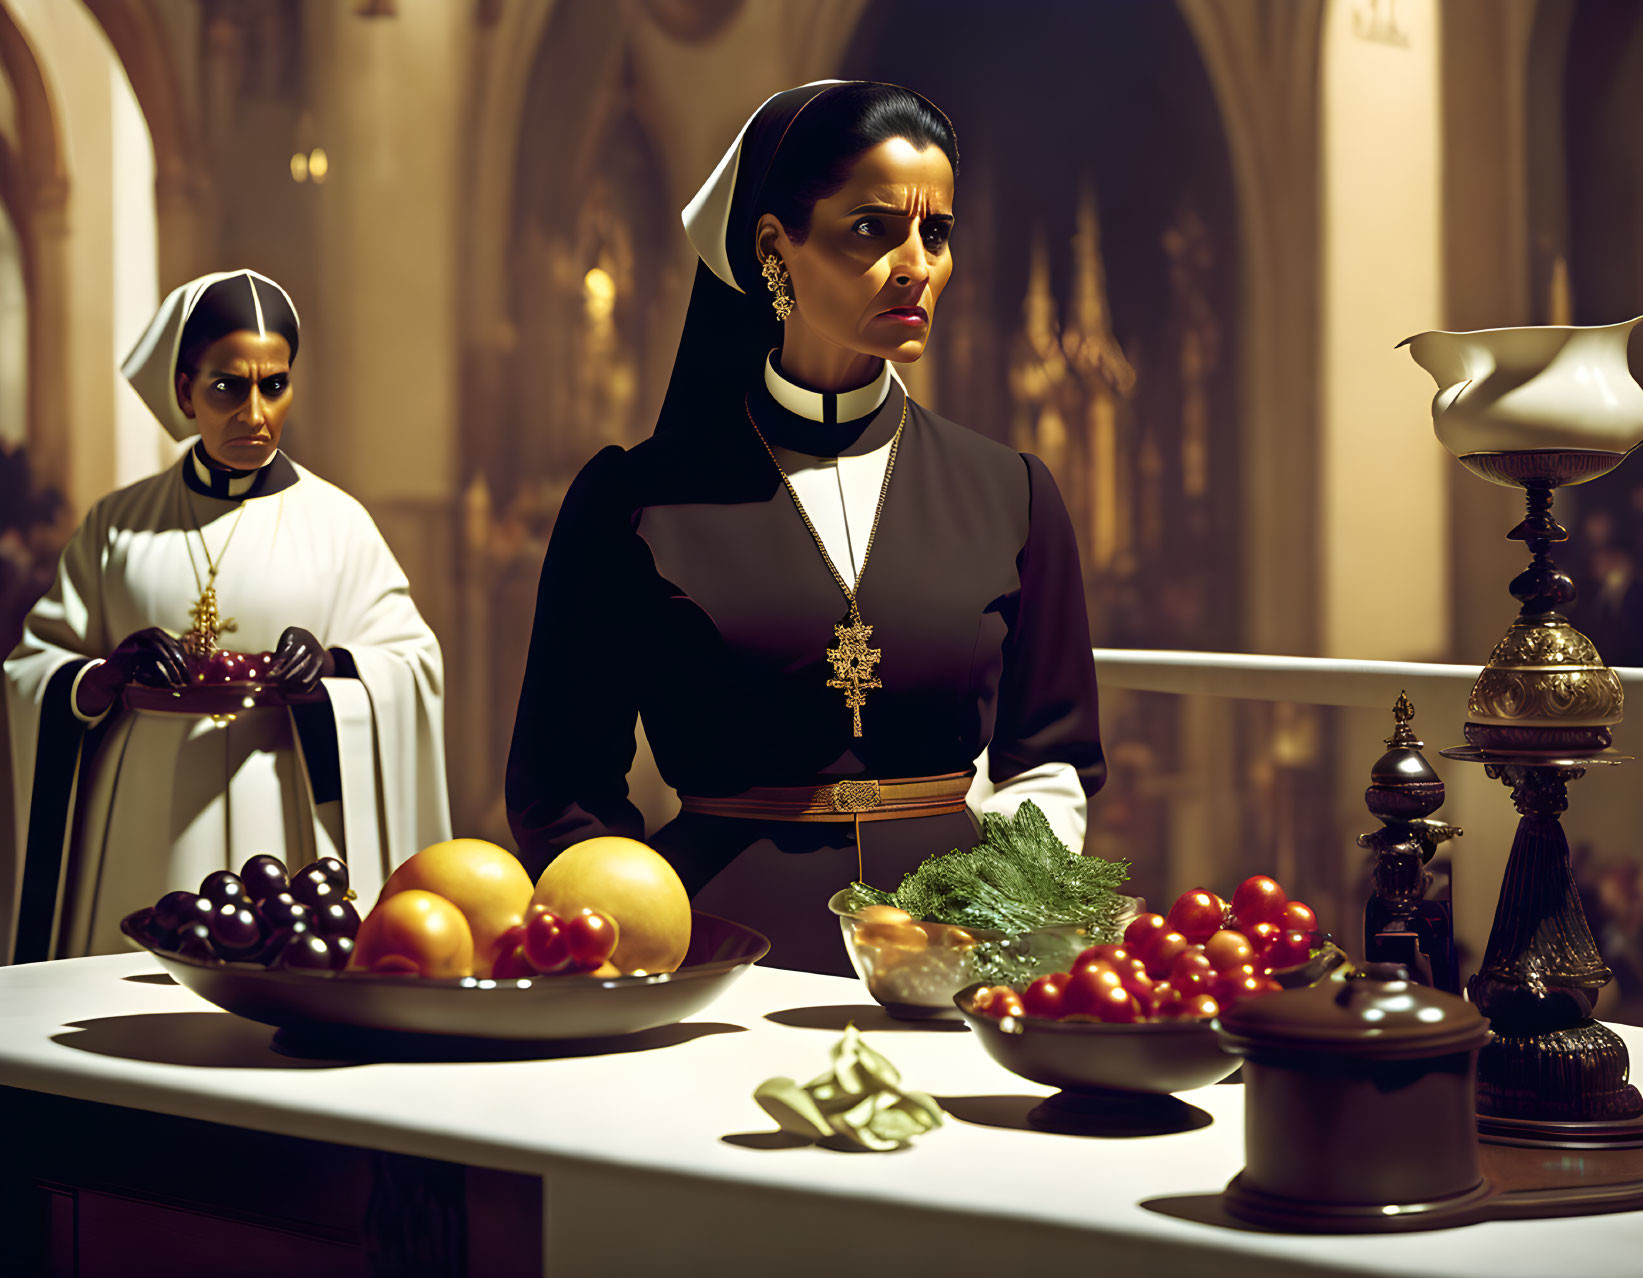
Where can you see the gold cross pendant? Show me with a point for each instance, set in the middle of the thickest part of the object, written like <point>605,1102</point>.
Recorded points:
<point>853,663</point>
<point>201,641</point>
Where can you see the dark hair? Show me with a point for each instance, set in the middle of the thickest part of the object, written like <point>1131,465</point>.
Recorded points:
<point>824,143</point>
<point>238,303</point>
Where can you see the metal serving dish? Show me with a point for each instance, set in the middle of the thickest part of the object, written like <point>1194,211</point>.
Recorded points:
<point>1087,1057</point>
<point>546,1008</point>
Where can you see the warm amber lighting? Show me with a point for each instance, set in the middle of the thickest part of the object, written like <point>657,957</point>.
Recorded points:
<point>319,164</point>
<point>598,292</point>
<point>299,167</point>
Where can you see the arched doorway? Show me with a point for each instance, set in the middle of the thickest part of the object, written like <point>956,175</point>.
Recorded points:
<point>572,358</point>
<point>1094,319</point>
<point>1093,313</point>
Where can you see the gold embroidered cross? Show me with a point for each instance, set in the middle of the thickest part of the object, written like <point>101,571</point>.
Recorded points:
<point>853,665</point>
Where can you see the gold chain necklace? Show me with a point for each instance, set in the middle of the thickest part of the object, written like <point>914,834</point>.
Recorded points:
<point>853,661</point>
<point>201,639</point>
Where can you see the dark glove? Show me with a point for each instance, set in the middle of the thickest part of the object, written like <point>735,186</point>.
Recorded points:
<point>300,662</point>
<point>152,657</point>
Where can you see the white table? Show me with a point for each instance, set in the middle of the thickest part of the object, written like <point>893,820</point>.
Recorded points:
<point>659,1161</point>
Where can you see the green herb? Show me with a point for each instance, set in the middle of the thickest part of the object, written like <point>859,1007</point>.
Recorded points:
<point>1018,879</point>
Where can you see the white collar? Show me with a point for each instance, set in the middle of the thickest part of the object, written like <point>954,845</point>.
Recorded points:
<point>827,406</point>
<point>238,484</point>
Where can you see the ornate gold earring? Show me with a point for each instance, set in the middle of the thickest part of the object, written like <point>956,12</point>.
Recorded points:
<point>775,278</point>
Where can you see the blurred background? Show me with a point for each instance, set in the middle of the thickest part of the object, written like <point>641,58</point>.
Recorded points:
<point>1190,233</point>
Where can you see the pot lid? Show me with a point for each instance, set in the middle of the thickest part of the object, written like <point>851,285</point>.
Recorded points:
<point>1373,1010</point>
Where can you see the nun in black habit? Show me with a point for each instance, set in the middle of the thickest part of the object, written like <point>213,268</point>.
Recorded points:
<point>827,602</point>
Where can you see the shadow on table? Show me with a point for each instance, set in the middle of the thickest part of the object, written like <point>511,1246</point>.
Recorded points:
<point>866,1016</point>
<point>786,1140</point>
<point>1068,1115</point>
<point>207,1040</point>
<point>1202,1209</point>
<point>150,978</point>
<point>376,1046</point>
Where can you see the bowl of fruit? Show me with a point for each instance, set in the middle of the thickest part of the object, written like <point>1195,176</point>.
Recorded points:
<point>1138,1016</point>
<point>460,944</point>
<point>1017,904</point>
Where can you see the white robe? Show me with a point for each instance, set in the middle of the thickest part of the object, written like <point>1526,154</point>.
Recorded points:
<point>167,798</point>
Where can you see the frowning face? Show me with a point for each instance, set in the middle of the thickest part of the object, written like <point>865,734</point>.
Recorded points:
<point>867,276</point>
<point>239,396</point>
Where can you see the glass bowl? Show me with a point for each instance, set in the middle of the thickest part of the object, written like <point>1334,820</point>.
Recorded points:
<point>913,969</point>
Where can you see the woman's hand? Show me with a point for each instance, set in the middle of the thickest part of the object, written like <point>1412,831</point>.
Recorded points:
<point>300,662</point>
<point>153,657</point>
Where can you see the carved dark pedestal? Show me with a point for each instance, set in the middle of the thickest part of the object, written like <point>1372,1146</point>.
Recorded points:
<point>1538,718</point>
<point>1549,1063</point>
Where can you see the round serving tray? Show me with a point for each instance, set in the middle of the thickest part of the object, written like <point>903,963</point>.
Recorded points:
<point>546,1008</point>
<point>212,698</point>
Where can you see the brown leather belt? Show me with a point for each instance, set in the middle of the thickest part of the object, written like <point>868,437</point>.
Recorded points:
<point>849,800</point>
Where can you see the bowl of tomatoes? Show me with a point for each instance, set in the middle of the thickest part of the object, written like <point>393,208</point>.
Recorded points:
<point>1138,1016</point>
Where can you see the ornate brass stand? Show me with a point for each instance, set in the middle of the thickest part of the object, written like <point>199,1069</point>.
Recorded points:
<point>1539,717</point>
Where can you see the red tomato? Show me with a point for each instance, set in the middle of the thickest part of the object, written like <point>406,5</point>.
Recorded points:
<point>1197,915</point>
<point>1185,1007</point>
<point>1258,899</point>
<point>1043,996</point>
<point>1228,949</point>
<point>1162,953</point>
<point>1288,949</point>
<point>1237,987</point>
<point>591,938</point>
<point>1141,987</point>
<point>1088,987</point>
<point>1297,917</point>
<point>546,946</point>
<point>1261,935</point>
<point>1143,930</point>
<point>1119,1007</point>
<point>512,965</point>
<point>1116,957</point>
<point>1223,983</point>
<point>1005,1002</point>
<point>982,998</point>
<point>1193,973</point>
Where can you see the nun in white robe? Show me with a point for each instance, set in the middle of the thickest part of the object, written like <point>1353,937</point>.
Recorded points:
<point>115,811</point>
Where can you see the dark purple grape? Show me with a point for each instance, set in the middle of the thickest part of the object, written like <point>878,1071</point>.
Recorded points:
<point>177,909</point>
<point>194,941</point>
<point>336,870</point>
<point>312,885</point>
<point>276,939</point>
<point>308,952</point>
<point>222,887</point>
<point>337,918</point>
<point>342,949</point>
<point>283,910</point>
<point>142,923</point>
<point>235,930</point>
<point>264,876</point>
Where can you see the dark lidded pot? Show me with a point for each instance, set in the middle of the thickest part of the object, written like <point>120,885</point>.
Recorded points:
<point>1360,1099</point>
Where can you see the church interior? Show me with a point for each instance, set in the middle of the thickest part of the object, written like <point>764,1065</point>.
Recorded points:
<point>1191,235</point>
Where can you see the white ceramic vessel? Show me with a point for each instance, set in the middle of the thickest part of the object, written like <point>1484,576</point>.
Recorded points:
<point>1510,390</point>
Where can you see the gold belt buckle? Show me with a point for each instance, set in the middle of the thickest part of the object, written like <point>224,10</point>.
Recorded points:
<point>855,796</point>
